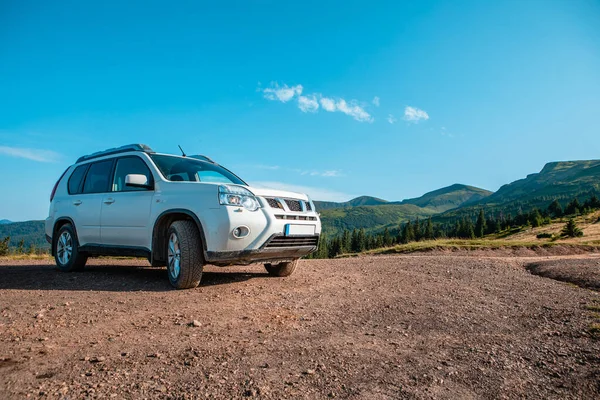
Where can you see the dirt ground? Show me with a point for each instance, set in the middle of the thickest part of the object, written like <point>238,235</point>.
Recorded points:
<point>441,326</point>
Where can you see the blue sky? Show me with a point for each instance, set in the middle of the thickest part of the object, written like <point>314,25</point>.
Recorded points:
<point>301,94</point>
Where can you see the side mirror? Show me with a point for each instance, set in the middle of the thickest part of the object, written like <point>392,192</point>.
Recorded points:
<point>137,180</point>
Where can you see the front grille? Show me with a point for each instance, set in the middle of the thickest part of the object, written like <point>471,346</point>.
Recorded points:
<point>293,241</point>
<point>293,205</point>
<point>296,217</point>
<point>274,203</point>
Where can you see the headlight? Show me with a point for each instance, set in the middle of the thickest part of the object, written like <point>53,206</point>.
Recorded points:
<point>230,195</point>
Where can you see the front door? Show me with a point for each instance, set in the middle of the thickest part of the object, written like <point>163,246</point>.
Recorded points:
<point>125,219</point>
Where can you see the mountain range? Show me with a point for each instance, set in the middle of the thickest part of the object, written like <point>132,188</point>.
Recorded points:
<point>557,180</point>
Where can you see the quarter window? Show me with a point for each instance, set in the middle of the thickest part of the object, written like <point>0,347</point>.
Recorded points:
<point>98,177</point>
<point>76,179</point>
<point>126,166</point>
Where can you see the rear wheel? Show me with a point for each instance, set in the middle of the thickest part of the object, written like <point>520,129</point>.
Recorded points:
<point>282,269</point>
<point>185,260</point>
<point>66,250</point>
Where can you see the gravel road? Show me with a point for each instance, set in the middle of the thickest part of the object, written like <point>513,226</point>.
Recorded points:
<point>416,327</point>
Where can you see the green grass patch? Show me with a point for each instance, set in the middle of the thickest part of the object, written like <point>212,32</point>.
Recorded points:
<point>595,329</point>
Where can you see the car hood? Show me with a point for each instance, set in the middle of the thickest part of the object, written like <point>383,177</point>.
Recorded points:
<point>277,193</point>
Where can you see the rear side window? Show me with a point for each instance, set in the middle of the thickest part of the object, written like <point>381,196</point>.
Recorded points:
<point>98,177</point>
<point>126,166</point>
<point>76,179</point>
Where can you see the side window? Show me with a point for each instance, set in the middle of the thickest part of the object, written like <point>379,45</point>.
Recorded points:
<point>126,166</point>
<point>76,179</point>
<point>98,177</point>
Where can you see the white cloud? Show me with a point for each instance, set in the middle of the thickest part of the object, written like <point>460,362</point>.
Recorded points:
<point>282,93</point>
<point>376,101</point>
<point>353,110</point>
<point>331,173</point>
<point>391,119</point>
<point>269,167</point>
<point>30,154</point>
<point>315,193</point>
<point>413,114</point>
<point>328,104</point>
<point>308,103</point>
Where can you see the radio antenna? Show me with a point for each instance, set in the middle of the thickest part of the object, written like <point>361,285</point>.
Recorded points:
<point>182,152</point>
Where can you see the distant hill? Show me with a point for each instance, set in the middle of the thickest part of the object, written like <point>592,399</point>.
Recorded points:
<point>564,179</point>
<point>375,214</point>
<point>371,218</point>
<point>359,201</point>
<point>449,197</point>
<point>5,221</point>
<point>29,231</point>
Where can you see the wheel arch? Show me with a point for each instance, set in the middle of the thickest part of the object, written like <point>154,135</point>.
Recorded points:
<point>161,225</point>
<point>57,225</point>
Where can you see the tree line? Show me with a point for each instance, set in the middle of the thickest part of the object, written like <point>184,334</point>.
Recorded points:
<point>358,240</point>
<point>6,249</point>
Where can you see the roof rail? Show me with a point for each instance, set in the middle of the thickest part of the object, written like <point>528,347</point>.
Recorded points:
<point>116,150</point>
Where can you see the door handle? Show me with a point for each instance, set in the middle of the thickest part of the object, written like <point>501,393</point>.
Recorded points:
<point>109,201</point>
<point>77,202</point>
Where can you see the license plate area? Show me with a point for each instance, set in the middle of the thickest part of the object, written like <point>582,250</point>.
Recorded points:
<point>293,229</point>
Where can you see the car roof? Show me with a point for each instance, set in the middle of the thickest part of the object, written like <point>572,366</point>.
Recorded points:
<point>136,147</point>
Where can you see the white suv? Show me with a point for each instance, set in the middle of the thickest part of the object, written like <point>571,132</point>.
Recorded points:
<point>178,211</point>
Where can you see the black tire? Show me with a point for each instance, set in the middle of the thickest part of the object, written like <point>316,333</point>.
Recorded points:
<point>191,259</point>
<point>282,269</point>
<point>67,239</point>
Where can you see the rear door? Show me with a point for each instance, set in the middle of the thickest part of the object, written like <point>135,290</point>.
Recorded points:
<point>125,217</point>
<point>86,199</point>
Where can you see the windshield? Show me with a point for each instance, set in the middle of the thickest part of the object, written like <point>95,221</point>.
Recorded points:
<point>179,169</point>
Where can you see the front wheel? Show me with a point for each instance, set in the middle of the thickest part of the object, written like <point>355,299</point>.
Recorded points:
<point>282,269</point>
<point>185,260</point>
<point>66,250</point>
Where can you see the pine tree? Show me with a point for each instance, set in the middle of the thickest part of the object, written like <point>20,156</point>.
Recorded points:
<point>323,250</point>
<point>362,240</point>
<point>555,209</point>
<point>480,225</point>
<point>21,247</point>
<point>417,230</point>
<point>354,245</point>
<point>378,242</point>
<point>573,207</point>
<point>387,238</point>
<point>594,202</point>
<point>535,218</point>
<point>4,246</point>
<point>346,241</point>
<point>571,230</point>
<point>429,230</point>
<point>335,247</point>
<point>408,233</point>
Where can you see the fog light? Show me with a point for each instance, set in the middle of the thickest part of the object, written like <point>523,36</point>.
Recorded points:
<point>240,232</point>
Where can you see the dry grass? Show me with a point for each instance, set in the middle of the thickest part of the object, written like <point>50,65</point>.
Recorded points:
<point>26,257</point>
<point>475,244</point>
<point>587,223</point>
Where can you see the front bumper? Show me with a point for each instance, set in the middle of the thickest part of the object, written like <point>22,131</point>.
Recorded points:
<point>276,249</point>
